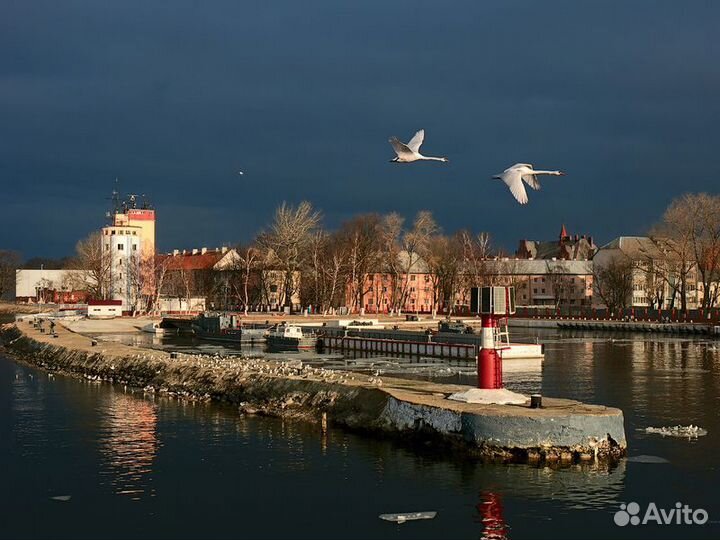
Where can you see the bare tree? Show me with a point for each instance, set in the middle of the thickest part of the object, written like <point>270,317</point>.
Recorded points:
<point>677,236</point>
<point>444,258</point>
<point>93,260</point>
<point>9,264</point>
<point>614,283</point>
<point>391,229</point>
<point>654,282</point>
<point>160,267</point>
<point>321,279</point>
<point>289,237</point>
<point>414,245</point>
<point>560,282</point>
<point>361,239</point>
<point>701,213</point>
<point>245,265</point>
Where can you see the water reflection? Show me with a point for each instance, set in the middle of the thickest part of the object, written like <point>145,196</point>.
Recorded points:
<point>128,442</point>
<point>490,514</point>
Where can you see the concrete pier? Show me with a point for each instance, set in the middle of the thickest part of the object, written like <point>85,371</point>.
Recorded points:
<point>561,430</point>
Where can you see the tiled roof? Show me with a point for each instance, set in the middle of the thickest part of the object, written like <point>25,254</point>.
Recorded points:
<point>636,247</point>
<point>190,261</point>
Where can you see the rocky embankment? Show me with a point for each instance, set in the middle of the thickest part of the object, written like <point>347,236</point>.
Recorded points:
<point>396,407</point>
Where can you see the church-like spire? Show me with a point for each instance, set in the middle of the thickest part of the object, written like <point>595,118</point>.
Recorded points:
<point>563,233</point>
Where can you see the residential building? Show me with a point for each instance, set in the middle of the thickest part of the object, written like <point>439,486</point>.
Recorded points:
<point>551,282</point>
<point>659,276</point>
<point>408,291</point>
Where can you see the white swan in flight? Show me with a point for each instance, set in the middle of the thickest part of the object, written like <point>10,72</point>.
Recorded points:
<point>407,153</point>
<point>514,176</point>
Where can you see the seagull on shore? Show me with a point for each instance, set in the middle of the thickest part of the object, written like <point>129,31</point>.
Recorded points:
<point>515,175</point>
<point>407,153</point>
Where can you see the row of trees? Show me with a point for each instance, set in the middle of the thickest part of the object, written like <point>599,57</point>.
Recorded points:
<point>340,267</point>
<point>295,257</point>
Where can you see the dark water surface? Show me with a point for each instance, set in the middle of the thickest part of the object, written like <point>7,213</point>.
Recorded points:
<point>139,466</point>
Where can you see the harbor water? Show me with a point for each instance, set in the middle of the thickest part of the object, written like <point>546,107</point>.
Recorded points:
<point>94,460</point>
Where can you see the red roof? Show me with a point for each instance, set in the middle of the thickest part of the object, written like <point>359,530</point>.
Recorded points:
<point>188,261</point>
<point>563,232</point>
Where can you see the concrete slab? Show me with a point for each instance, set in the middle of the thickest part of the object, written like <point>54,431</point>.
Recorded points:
<point>500,396</point>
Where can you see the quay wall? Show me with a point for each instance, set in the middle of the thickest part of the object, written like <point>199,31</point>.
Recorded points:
<point>617,326</point>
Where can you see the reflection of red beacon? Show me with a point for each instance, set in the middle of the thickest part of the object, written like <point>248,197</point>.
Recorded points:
<point>493,304</point>
<point>491,514</point>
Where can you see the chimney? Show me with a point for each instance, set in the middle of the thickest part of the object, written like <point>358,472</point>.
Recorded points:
<point>194,251</point>
<point>203,251</point>
<point>223,249</point>
<point>577,237</point>
<point>184,252</point>
<point>590,240</point>
<point>176,252</point>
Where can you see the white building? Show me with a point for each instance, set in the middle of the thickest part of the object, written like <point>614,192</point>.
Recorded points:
<point>123,245</point>
<point>656,272</point>
<point>48,286</point>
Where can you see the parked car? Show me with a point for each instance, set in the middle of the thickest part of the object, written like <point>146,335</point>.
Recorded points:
<point>455,327</point>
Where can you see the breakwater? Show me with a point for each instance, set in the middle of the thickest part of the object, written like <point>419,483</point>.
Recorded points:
<point>563,430</point>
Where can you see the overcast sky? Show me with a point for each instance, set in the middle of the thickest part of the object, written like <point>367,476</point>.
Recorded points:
<point>175,97</point>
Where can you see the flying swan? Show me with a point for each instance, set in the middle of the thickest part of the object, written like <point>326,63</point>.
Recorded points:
<point>515,175</point>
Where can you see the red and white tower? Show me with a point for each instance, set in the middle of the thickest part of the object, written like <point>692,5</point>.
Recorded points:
<point>493,304</point>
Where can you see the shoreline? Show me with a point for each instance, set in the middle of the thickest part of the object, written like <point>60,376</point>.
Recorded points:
<point>564,431</point>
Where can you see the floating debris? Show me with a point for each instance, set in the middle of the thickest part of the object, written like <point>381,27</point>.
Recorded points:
<point>647,459</point>
<point>409,516</point>
<point>61,498</point>
<point>689,432</point>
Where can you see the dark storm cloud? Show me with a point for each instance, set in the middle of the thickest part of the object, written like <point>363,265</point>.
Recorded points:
<point>176,97</point>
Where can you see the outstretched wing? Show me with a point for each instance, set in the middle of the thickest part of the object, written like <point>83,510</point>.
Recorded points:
<point>400,148</point>
<point>532,181</point>
<point>513,179</point>
<point>416,141</point>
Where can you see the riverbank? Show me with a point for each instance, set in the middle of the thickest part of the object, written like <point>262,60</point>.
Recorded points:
<point>563,430</point>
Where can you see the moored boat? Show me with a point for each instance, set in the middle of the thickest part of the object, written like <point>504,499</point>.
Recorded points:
<point>157,329</point>
<point>227,328</point>
<point>288,336</point>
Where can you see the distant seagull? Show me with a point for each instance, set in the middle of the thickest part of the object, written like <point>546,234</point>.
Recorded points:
<point>407,153</point>
<point>515,175</point>
<point>240,173</point>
